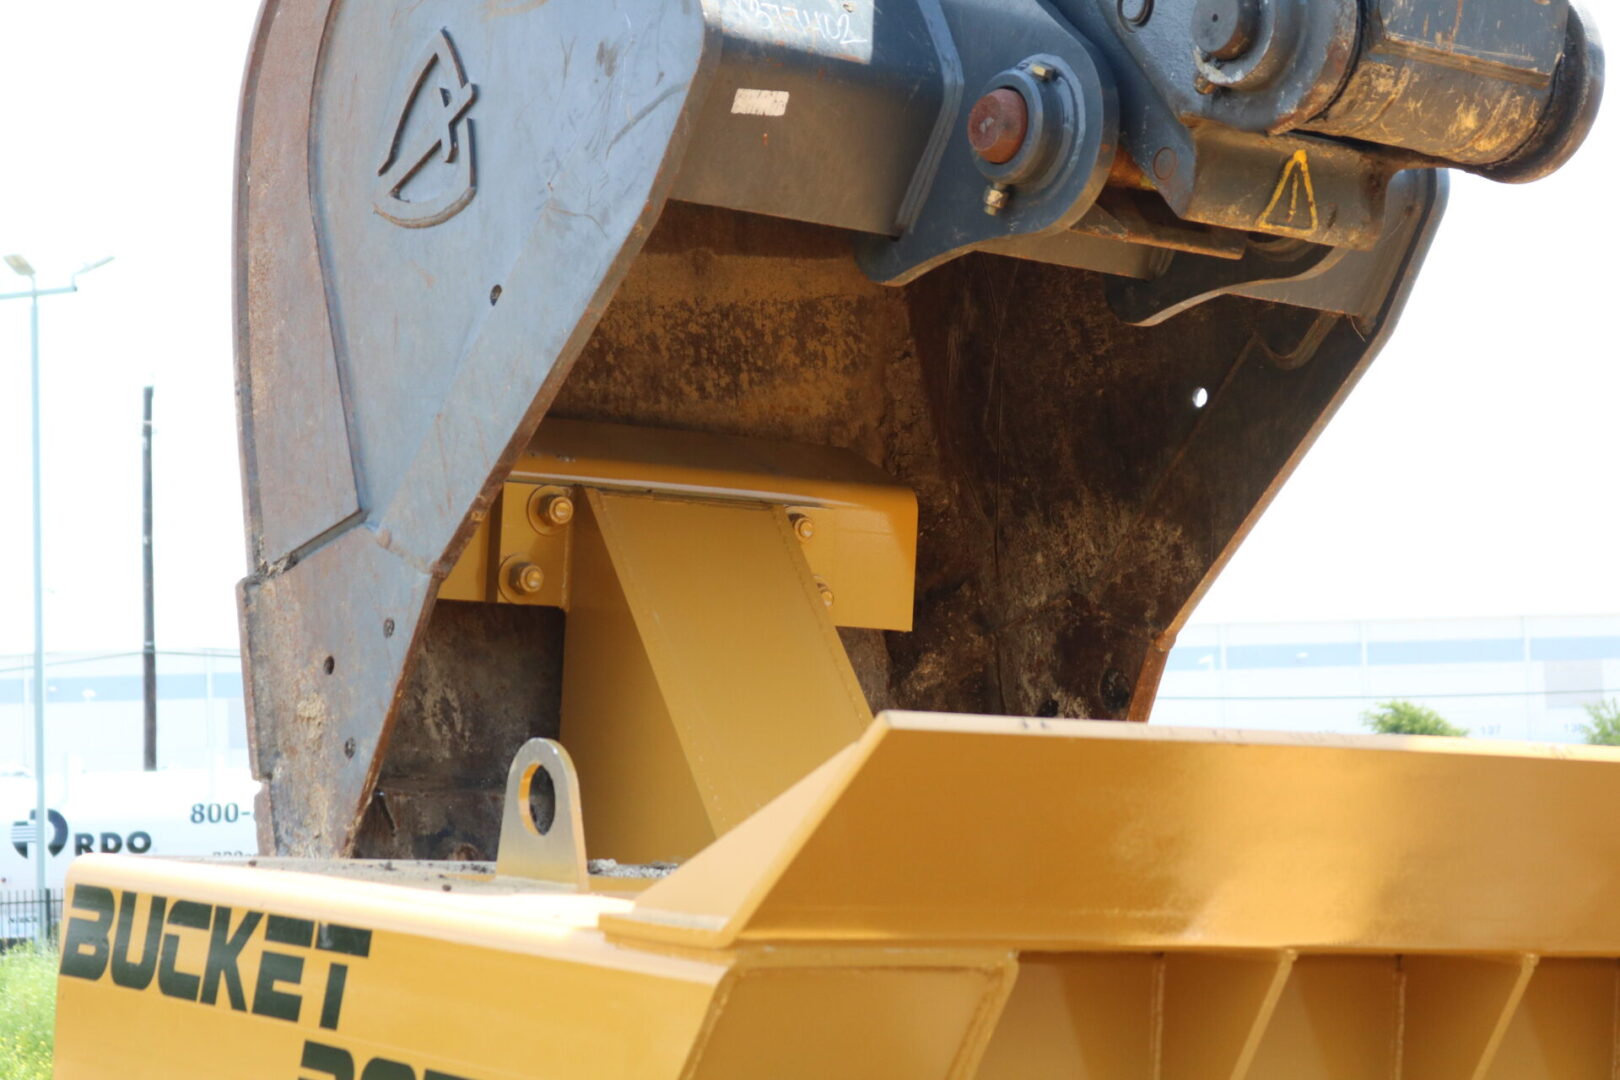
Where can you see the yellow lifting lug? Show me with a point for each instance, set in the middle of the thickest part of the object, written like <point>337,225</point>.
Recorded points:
<point>543,842</point>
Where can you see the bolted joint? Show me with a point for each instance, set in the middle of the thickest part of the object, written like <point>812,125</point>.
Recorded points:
<point>551,509</point>
<point>557,509</point>
<point>525,578</point>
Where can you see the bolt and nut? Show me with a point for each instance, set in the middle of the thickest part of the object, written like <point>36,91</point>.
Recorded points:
<point>557,509</point>
<point>803,527</point>
<point>525,578</point>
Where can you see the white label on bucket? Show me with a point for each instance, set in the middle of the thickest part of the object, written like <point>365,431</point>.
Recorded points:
<point>760,103</point>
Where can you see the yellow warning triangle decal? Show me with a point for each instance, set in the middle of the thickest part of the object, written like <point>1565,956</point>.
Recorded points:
<point>1293,204</point>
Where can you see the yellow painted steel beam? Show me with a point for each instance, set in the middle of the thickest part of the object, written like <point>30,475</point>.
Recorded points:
<point>1049,834</point>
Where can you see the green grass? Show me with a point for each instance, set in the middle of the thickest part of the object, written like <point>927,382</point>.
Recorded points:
<point>27,1013</point>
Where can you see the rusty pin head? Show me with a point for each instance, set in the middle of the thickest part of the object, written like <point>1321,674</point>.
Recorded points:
<point>998,124</point>
<point>1225,29</point>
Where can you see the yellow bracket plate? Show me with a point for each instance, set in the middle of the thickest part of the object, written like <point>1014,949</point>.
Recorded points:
<point>860,539</point>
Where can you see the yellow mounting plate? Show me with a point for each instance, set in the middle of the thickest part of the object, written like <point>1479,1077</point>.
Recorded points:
<point>860,540</point>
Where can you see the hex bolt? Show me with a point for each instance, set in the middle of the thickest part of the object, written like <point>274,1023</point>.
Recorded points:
<point>1225,29</point>
<point>995,199</point>
<point>558,509</point>
<point>1136,12</point>
<point>998,125</point>
<point>803,527</point>
<point>1042,71</point>
<point>526,578</point>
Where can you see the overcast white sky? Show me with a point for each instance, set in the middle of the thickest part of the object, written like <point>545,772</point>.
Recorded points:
<point>1472,473</point>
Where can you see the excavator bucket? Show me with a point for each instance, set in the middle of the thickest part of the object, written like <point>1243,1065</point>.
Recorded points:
<point>642,401</point>
<point>1085,277</point>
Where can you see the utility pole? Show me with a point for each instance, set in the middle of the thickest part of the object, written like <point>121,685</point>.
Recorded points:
<point>149,649</point>
<point>23,268</point>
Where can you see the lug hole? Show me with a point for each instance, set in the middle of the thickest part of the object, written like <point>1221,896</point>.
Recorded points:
<point>494,296</point>
<point>329,665</point>
<point>541,803</point>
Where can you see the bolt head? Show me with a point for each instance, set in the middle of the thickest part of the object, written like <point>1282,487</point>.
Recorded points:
<point>995,199</point>
<point>1042,71</point>
<point>559,509</point>
<point>803,527</point>
<point>826,595</point>
<point>998,125</point>
<point>527,579</point>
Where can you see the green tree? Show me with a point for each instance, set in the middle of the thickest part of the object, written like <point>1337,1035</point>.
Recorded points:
<point>1409,718</point>
<point>1604,728</point>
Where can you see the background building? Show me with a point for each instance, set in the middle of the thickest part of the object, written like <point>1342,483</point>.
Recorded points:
<point>1514,678</point>
<point>94,715</point>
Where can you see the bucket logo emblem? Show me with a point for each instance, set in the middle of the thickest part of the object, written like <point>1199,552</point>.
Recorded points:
<point>433,129</point>
<point>24,833</point>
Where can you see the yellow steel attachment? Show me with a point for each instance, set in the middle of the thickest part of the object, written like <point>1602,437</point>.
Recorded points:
<point>702,673</point>
<point>857,528</point>
<point>182,971</point>
<point>948,898</point>
<point>704,579</point>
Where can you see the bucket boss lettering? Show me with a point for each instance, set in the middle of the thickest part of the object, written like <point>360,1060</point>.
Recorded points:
<point>303,966</point>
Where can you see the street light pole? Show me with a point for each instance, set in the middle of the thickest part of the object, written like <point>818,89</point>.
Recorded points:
<point>41,813</point>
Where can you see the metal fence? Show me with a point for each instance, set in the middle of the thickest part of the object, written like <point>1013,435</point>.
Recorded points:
<point>21,911</point>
